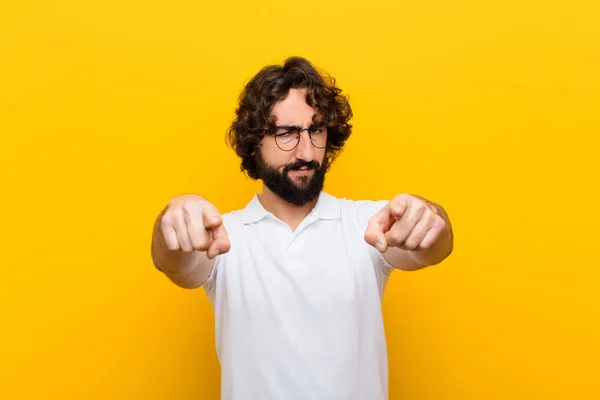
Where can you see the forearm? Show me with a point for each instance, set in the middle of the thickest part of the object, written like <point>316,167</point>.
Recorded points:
<point>188,270</point>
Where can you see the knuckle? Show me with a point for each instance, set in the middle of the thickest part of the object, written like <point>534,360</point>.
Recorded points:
<point>429,216</point>
<point>410,244</point>
<point>402,196</point>
<point>439,223</point>
<point>187,247</point>
<point>202,244</point>
<point>195,204</point>
<point>425,245</point>
<point>171,245</point>
<point>210,211</point>
<point>177,214</point>
<point>176,201</point>
<point>188,206</point>
<point>172,202</point>
<point>202,202</point>
<point>166,220</point>
<point>216,219</point>
<point>184,240</point>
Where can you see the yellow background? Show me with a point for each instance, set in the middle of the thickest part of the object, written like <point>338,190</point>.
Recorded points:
<point>490,108</point>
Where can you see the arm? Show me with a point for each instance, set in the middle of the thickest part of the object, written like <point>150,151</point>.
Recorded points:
<point>411,233</point>
<point>186,238</point>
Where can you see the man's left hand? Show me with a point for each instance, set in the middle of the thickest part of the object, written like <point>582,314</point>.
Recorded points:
<point>407,222</point>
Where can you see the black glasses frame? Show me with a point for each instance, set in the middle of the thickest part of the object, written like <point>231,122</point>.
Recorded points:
<point>298,131</point>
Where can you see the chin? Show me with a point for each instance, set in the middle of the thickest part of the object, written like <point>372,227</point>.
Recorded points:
<point>302,182</point>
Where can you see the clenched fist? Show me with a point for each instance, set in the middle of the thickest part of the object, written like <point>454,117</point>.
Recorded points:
<point>191,223</point>
<point>408,222</point>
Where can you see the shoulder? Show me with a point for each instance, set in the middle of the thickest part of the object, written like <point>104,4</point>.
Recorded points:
<point>359,210</point>
<point>355,215</point>
<point>233,221</point>
<point>352,204</point>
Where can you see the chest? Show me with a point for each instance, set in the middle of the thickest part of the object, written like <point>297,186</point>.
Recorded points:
<point>323,269</point>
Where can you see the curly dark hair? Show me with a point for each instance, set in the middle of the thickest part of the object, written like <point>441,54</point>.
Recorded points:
<point>271,84</point>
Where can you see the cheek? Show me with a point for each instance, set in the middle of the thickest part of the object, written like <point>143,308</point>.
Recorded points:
<point>274,156</point>
<point>281,160</point>
<point>321,156</point>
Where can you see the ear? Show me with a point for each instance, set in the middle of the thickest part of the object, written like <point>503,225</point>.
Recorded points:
<point>256,147</point>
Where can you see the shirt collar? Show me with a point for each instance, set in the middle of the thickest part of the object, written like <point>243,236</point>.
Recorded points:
<point>327,207</point>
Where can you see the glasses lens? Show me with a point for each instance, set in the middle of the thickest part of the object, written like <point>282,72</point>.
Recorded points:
<point>287,139</point>
<point>318,137</point>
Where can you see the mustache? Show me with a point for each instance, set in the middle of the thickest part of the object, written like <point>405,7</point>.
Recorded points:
<point>300,163</point>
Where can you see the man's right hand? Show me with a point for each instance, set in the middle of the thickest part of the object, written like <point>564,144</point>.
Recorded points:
<point>191,223</point>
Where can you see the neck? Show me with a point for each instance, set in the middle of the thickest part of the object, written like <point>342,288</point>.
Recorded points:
<point>288,213</point>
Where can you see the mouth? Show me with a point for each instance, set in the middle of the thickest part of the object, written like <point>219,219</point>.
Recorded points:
<point>302,171</point>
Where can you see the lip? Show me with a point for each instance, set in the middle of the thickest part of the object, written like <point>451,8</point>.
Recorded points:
<point>302,172</point>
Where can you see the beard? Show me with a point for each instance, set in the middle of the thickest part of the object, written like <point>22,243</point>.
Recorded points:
<point>282,185</point>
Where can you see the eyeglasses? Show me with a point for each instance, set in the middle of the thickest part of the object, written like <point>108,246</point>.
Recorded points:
<point>288,137</point>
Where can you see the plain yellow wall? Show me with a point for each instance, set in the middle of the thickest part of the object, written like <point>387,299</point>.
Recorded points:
<point>490,108</point>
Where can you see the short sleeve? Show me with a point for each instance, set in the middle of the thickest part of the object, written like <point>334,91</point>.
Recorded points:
<point>365,209</point>
<point>209,286</point>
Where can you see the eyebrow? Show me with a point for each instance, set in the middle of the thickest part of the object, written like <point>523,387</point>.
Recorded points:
<point>298,127</point>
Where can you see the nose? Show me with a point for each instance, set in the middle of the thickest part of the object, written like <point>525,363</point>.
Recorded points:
<point>305,150</point>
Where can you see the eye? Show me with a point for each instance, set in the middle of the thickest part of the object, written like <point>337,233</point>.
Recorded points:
<point>286,134</point>
<point>318,130</point>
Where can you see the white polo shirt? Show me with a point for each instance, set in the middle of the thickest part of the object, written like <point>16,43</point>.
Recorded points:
<point>298,314</point>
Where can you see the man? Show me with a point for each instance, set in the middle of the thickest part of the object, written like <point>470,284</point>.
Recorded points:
<point>296,278</point>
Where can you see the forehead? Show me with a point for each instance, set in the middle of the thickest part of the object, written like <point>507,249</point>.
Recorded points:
<point>293,110</point>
